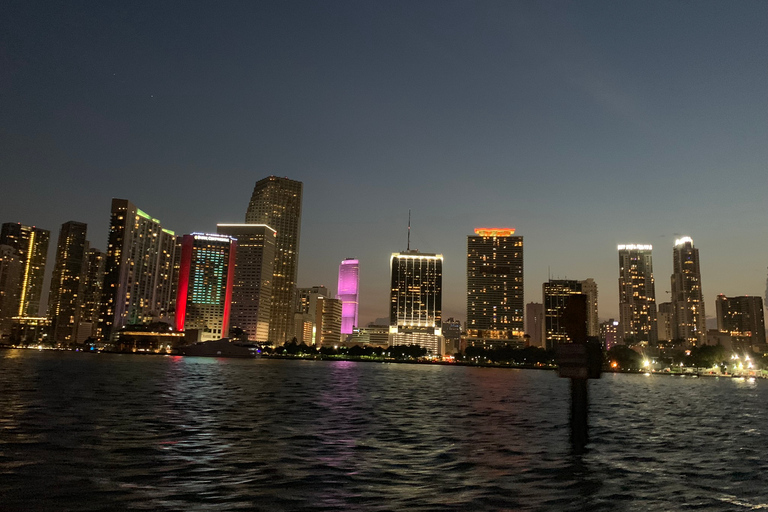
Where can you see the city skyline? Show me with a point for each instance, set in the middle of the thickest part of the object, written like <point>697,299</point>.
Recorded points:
<point>572,126</point>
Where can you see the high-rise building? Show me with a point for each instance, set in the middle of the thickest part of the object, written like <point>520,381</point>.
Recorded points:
<point>254,268</point>
<point>665,324</point>
<point>31,246</point>
<point>688,320</point>
<point>609,333</point>
<point>534,324</point>
<point>556,293</point>
<point>741,317</point>
<point>66,293</point>
<point>495,304</point>
<point>10,276</point>
<point>276,202</point>
<point>328,321</point>
<point>348,287</point>
<point>416,294</point>
<point>589,288</point>
<point>206,279</point>
<point>637,295</point>
<point>306,313</point>
<point>138,271</point>
<point>92,290</point>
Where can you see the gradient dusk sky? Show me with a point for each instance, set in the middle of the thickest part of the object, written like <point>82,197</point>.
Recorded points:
<point>582,124</point>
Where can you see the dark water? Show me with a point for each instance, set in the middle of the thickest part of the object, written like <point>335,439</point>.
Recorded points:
<point>111,432</point>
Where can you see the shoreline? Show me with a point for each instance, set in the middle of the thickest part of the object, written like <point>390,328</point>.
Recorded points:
<point>320,357</point>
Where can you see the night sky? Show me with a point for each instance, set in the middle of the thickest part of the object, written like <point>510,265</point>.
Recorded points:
<point>582,124</point>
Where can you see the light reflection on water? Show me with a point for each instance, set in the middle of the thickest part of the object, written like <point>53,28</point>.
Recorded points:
<point>95,432</point>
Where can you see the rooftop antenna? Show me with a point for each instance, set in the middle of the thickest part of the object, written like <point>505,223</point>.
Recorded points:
<point>409,230</point>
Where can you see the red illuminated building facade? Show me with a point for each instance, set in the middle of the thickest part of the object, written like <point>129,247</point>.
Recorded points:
<point>206,278</point>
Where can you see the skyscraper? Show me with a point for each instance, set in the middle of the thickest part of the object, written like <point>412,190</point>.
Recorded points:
<point>665,330</point>
<point>495,304</point>
<point>254,264</point>
<point>10,276</point>
<point>349,283</point>
<point>206,278</point>
<point>66,293</point>
<point>31,246</point>
<point>276,202</point>
<point>328,321</point>
<point>306,315</point>
<point>688,320</point>
<point>589,288</point>
<point>555,295</point>
<point>416,294</point>
<point>637,295</point>
<point>742,318</point>
<point>138,271</point>
<point>93,290</point>
<point>534,324</point>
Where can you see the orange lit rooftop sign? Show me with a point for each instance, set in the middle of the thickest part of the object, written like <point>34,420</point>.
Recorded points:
<point>495,231</point>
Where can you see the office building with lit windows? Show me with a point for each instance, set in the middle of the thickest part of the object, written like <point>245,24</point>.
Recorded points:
<point>589,288</point>
<point>204,292</point>
<point>254,264</point>
<point>688,319</point>
<point>556,293</point>
<point>416,295</point>
<point>92,291</point>
<point>306,314</point>
<point>495,303</point>
<point>348,288</point>
<point>276,202</point>
<point>742,318</point>
<point>66,292</point>
<point>10,276</point>
<point>31,246</point>
<point>138,270</point>
<point>637,295</point>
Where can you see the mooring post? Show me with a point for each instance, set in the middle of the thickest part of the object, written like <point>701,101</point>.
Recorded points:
<point>579,360</point>
<point>579,411</point>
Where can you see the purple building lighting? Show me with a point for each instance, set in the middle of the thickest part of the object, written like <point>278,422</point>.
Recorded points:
<point>349,283</point>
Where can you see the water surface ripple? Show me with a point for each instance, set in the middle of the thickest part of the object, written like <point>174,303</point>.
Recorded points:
<point>111,432</point>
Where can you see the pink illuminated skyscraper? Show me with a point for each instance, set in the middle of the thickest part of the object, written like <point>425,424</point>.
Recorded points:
<point>349,284</point>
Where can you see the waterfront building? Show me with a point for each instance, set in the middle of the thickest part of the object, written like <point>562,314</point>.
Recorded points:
<point>665,326</point>
<point>495,304</point>
<point>10,276</point>
<point>555,296</point>
<point>742,318</point>
<point>348,289</point>
<point>206,279</point>
<point>688,319</point>
<point>534,324</point>
<point>416,292</point>
<point>328,322</point>
<point>138,270</point>
<point>92,292</point>
<point>276,202</point>
<point>637,295</point>
<point>609,333</point>
<point>589,288</point>
<point>452,334</point>
<point>30,330</point>
<point>254,270</point>
<point>305,316</point>
<point>373,334</point>
<point>66,292</point>
<point>31,246</point>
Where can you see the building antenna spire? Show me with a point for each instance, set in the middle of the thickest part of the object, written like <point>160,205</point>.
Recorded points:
<point>409,230</point>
